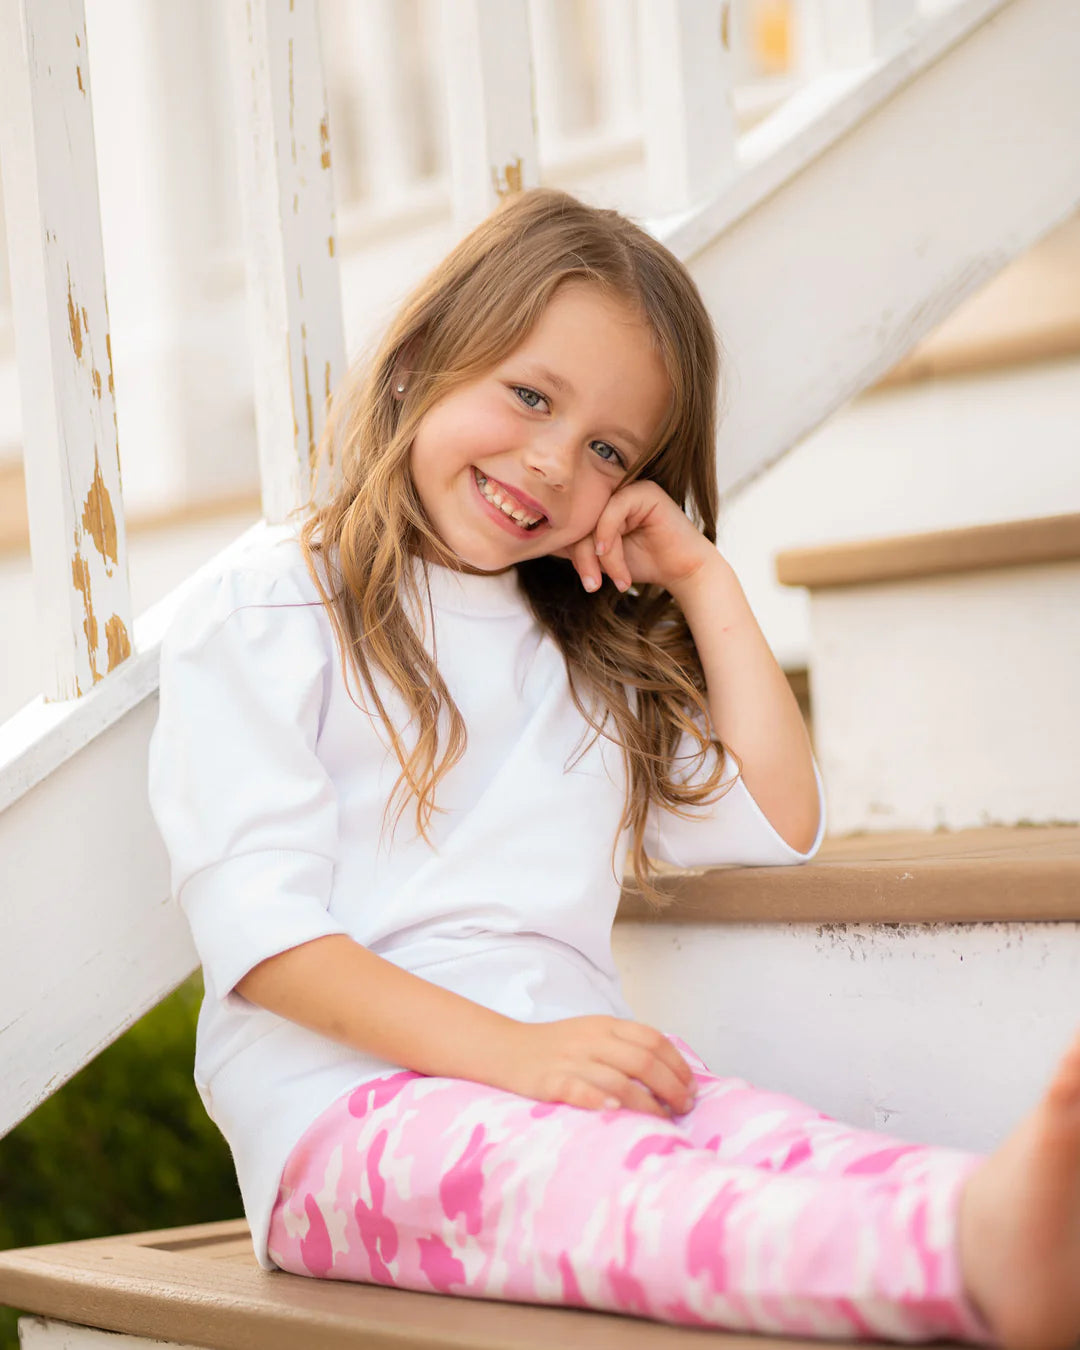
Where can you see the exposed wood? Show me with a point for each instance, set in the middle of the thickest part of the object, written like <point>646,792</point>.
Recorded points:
<point>294,289</point>
<point>14,529</point>
<point>489,86</point>
<point>72,457</point>
<point>855,226</point>
<point>193,1285</point>
<point>687,118</point>
<point>975,548</point>
<point>972,876</point>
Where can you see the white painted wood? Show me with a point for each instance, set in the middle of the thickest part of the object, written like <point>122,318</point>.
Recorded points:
<point>293,283</point>
<point>687,115</point>
<point>837,33</point>
<point>618,84</point>
<point>820,280</point>
<point>489,85</point>
<point>368,58</point>
<point>42,737</point>
<point>944,1033</point>
<point>58,288</point>
<point>39,1333</point>
<point>928,456</point>
<point>99,940</point>
<point>85,881</point>
<point>964,708</point>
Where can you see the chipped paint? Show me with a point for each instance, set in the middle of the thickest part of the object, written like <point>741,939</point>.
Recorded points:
<point>80,576</point>
<point>108,353</point>
<point>330,244</point>
<point>117,642</point>
<point>98,518</point>
<point>74,325</point>
<point>78,76</point>
<point>725,27</point>
<point>324,141</point>
<point>299,282</point>
<point>95,376</point>
<point>508,180</point>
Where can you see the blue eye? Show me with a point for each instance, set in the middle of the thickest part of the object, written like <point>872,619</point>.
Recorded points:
<point>613,458</point>
<point>526,395</point>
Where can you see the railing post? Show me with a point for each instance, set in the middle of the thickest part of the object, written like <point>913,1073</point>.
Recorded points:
<point>294,288</point>
<point>688,120</point>
<point>62,336</point>
<point>831,34</point>
<point>490,103</point>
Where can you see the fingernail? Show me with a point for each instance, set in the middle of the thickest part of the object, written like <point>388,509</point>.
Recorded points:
<point>601,547</point>
<point>612,1104</point>
<point>591,583</point>
<point>623,585</point>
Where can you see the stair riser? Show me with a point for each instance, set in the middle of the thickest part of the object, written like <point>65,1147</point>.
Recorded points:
<point>949,701</point>
<point>943,1033</point>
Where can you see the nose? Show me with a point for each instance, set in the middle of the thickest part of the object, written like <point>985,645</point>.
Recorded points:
<point>552,459</point>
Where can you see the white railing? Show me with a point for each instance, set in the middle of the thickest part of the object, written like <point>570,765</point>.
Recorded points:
<point>60,844</point>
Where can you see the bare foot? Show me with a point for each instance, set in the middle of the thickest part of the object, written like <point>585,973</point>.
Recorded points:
<point>1019,1224</point>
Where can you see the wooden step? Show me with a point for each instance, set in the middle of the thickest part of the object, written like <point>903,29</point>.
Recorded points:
<point>997,875</point>
<point>201,1286</point>
<point>976,548</point>
<point>943,671</point>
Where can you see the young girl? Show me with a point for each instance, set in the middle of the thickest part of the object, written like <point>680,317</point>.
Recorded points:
<point>403,756</point>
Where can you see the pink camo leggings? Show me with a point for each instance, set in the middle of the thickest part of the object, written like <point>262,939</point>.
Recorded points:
<point>752,1212</point>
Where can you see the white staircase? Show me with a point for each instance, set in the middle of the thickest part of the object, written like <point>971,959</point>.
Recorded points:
<point>840,229</point>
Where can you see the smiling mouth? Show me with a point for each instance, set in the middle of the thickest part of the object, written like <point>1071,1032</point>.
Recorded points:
<point>507,504</point>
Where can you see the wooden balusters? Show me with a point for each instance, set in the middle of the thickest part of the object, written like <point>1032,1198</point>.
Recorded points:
<point>62,332</point>
<point>490,103</point>
<point>687,117</point>
<point>293,282</point>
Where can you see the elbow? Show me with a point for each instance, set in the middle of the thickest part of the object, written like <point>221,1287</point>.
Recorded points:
<point>801,832</point>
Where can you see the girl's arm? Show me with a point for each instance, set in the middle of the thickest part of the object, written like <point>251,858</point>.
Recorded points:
<point>751,706</point>
<point>338,988</point>
<point>642,535</point>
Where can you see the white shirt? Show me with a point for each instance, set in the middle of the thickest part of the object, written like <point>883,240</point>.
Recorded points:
<point>268,784</point>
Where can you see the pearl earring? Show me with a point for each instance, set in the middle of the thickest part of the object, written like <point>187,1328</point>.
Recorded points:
<point>401,388</point>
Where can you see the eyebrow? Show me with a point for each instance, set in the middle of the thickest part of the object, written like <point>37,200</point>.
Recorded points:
<point>563,386</point>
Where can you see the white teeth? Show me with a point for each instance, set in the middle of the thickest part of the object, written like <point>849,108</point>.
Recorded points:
<point>516,513</point>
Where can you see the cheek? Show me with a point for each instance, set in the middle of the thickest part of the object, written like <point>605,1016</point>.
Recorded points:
<point>589,505</point>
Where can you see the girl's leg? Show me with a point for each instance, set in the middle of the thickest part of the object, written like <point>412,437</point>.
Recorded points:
<point>445,1185</point>
<point>916,1200</point>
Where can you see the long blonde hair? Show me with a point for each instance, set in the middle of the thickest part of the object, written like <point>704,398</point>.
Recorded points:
<point>630,657</point>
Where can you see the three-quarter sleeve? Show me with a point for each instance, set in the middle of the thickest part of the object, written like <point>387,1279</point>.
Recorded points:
<point>246,808</point>
<point>731,830</point>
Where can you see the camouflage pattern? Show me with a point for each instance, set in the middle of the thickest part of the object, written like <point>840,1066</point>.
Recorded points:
<point>752,1212</point>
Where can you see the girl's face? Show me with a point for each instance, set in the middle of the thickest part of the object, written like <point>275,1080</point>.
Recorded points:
<point>520,462</point>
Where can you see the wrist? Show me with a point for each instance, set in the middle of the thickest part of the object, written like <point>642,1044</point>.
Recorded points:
<point>713,581</point>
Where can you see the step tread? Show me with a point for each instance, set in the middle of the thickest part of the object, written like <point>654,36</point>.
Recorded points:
<point>973,548</point>
<point>202,1284</point>
<point>998,874</point>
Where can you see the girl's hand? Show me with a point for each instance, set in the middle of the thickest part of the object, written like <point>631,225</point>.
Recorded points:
<point>599,1063</point>
<point>641,536</point>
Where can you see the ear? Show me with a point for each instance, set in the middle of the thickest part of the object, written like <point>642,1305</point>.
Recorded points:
<point>406,363</point>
